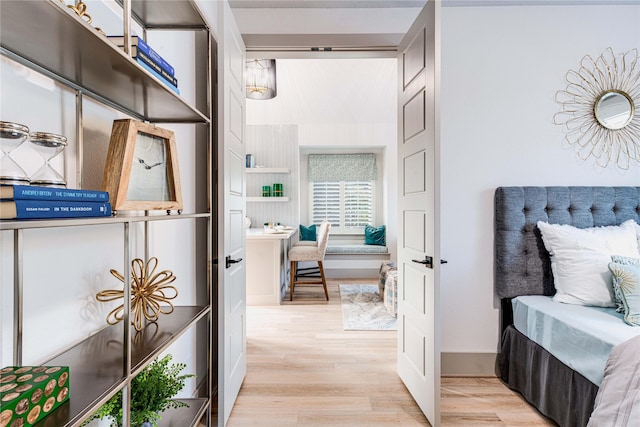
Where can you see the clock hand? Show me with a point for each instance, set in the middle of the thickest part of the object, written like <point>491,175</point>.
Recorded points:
<point>146,166</point>
<point>143,163</point>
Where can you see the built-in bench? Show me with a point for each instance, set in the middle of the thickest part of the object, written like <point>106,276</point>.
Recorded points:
<point>359,249</point>
<point>353,260</point>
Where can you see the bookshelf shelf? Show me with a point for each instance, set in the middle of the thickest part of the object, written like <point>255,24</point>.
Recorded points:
<point>78,222</point>
<point>41,32</point>
<point>96,363</point>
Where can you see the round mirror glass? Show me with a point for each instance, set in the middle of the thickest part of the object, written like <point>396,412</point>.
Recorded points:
<point>614,110</point>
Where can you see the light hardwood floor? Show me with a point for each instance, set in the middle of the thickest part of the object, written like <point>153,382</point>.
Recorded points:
<point>305,370</point>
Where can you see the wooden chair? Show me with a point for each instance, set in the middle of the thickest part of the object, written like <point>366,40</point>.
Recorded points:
<point>310,253</point>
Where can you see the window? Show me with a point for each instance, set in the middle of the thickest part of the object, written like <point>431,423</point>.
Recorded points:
<point>347,205</point>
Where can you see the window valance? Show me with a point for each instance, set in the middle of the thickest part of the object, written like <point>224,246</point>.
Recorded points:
<point>342,167</point>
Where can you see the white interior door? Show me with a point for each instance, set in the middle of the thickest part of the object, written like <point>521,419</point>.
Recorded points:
<point>418,248</point>
<point>232,352</point>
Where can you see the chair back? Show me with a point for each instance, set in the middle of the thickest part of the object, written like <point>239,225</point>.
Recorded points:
<point>323,236</point>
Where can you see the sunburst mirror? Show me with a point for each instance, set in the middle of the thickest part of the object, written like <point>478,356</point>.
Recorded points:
<point>599,109</point>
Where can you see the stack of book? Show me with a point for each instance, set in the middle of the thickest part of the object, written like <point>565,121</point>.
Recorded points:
<point>35,202</point>
<point>150,60</point>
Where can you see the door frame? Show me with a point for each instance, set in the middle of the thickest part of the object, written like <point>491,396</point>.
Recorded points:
<point>437,199</point>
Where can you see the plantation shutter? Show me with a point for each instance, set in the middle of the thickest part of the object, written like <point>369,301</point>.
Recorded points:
<point>343,188</point>
<point>344,204</point>
<point>358,203</point>
<point>326,203</point>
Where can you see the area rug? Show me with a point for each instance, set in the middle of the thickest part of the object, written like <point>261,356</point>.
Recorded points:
<point>363,309</point>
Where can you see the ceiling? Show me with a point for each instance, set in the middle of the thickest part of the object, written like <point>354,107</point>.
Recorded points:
<point>352,25</point>
<point>300,25</point>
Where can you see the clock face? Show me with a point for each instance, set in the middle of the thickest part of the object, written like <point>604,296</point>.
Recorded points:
<point>148,180</point>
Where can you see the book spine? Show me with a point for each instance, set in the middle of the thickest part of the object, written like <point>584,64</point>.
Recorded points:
<point>158,75</point>
<point>32,192</point>
<point>39,209</point>
<point>143,56</point>
<point>144,47</point>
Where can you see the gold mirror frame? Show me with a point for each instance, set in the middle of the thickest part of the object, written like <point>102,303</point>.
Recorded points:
<point>596,78</point>
<point>617,114</point>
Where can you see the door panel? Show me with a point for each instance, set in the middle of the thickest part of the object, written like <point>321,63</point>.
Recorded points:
<point>418,283</point>
<point>236,224</point>
<point>414,59</point>
<point>236,349</point>
<point>413,231</point>
<point>414,119</point>
<point>414,173</point>
<point>415,294</point>
<point>236,116</point>
<point>236,58</point>
<point>415,347</point>
<point>236,306</point>
<point>235,167</point>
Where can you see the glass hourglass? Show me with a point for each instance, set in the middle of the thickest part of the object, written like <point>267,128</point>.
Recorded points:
<point>12,135</point>
<point>48,145</point>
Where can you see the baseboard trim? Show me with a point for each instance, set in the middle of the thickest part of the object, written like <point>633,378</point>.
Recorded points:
<point>468,364</point>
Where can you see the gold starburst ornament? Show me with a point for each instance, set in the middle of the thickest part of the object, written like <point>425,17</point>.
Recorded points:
<point>600,109</point>
<point>151,293</point>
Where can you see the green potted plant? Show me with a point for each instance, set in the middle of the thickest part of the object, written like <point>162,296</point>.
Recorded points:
<point>152,392</point>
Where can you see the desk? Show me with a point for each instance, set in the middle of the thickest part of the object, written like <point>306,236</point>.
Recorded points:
<point>267,265</point>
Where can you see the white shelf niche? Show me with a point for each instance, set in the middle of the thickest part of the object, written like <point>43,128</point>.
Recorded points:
<point>268,170</point>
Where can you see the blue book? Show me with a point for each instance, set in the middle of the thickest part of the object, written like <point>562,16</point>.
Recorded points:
<point>34,192</point>
<point>145,48</point>
<point>156,74</point>
<point>39,209</point>
<point>143,56</point>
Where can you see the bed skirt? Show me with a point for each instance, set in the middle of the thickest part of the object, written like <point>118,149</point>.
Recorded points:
<point>558,392</point>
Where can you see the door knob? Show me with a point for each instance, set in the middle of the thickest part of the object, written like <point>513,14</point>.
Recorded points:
<point>230,261</point>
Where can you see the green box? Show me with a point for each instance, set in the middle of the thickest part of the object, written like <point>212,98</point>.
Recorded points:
<point>30,393</point>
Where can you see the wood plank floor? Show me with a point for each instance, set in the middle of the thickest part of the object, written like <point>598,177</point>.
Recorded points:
<point>305,370</point>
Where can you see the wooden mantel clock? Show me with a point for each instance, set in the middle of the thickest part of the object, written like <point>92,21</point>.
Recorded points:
<point>141,172</point>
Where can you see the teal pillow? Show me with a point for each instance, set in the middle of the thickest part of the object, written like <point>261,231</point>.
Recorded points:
<point>308,233</point>
<point>626,278</point>
<point>616,290</point>
<point>374,235</point>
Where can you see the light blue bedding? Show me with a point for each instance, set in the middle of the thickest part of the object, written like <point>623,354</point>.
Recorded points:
<point>579,336</point>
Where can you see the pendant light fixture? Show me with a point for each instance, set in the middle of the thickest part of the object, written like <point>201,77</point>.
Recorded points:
<point>261,79</point>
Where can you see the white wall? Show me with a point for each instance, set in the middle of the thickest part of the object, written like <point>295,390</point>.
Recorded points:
<point>273,147</point>
<point>501,67</point>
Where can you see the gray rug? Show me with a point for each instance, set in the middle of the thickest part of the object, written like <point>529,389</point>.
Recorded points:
<point>363,309</point>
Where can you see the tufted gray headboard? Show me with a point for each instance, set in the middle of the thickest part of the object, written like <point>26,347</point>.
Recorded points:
<point>522,264</point>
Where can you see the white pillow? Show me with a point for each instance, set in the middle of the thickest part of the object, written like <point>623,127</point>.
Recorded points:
<point>637,233</point>
<point>580,259</point>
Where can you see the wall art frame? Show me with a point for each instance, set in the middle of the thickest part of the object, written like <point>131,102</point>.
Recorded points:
<point>600,109</point>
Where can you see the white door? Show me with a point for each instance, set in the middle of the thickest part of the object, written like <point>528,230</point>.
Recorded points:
<point>232,351</point>
<point>418,248</point>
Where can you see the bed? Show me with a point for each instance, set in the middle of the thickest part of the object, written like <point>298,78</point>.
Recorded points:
<point>561,389</point>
